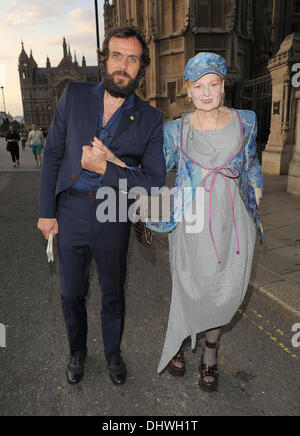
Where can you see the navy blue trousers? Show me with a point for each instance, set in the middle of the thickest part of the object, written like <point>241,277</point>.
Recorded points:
<point>82,238</point>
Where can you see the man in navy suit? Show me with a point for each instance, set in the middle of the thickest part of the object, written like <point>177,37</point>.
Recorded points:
<point>100,134</point>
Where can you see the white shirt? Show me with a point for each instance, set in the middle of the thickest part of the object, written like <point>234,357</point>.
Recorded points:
<point>36,137</point>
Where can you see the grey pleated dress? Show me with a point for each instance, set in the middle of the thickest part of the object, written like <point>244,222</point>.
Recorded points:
<point>207,294</point>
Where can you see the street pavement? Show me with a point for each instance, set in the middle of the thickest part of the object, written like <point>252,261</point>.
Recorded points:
<point>259,353</point>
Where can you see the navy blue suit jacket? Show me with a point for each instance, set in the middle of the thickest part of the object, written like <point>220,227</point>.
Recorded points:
<point>137,141</point>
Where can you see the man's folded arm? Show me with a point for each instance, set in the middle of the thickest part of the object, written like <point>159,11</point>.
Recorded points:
<point>53,155</point>
<point>153,169</point>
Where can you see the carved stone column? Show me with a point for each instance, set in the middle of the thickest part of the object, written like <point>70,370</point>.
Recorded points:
<point>279,150</point>
<point>152,78</point>
<point>294,169</point>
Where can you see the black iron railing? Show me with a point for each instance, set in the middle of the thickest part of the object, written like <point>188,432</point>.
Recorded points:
<point>256,95</point>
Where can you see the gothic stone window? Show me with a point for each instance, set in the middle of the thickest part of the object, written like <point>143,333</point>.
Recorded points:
<point>296,16</point>
<point>209,13</point>
<point>167,20</point>
<point>296,6</point>
<point>172,92</point>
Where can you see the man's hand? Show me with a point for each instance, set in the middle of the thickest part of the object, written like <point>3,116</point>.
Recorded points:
<point>93,160</point>
<point>45,225</point>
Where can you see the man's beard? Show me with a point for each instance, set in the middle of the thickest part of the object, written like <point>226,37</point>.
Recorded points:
<point>117,90</point>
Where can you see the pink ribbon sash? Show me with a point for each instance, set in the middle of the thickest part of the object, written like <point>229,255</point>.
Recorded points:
<point>213,173</point>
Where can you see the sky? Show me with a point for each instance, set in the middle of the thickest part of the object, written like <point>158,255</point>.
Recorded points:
<point>41,25</point>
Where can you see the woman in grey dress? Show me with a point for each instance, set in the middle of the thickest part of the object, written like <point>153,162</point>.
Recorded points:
<point>210,269</point>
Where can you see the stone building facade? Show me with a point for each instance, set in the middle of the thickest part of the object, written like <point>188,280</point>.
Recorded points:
<point>246,32</point>
<point>282,153</point>
<point>41,88</point>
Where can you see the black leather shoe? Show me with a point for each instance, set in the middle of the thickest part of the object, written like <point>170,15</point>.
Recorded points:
<point>117,370</point>
<point>75,368</point>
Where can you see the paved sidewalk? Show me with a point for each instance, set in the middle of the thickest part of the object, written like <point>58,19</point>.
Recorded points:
<point>276,271</point>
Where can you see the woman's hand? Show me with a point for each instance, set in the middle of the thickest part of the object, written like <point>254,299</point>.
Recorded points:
<point>96,155</point>
<point>98,147</point>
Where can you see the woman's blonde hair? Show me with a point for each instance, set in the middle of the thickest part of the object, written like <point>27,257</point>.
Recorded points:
<point>188,82</point>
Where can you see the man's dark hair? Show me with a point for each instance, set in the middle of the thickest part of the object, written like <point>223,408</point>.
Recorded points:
<point>124,33</point>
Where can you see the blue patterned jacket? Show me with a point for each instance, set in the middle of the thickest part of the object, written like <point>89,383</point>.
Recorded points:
<point>189,175</point>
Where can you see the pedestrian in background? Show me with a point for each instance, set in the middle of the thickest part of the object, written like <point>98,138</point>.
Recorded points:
<point>12,146</point>
<point>44,131</point>
<point>23,139</point>
<point>36,141</point>
<point>214,148</point>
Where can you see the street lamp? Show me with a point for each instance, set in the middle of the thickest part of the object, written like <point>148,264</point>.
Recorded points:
<point>97,24</point>
<point>6,117</point>
<point>97,36</point>
<point>2,88</point>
